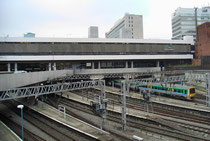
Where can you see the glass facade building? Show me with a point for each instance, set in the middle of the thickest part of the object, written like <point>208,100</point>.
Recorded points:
<point>184,21</point>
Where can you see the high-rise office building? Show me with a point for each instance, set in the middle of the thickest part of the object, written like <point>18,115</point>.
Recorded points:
<point>184,21</point>
<point>93,32</point>
<point>130,26</point>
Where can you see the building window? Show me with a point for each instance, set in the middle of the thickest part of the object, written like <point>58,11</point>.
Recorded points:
<point>204,10</point>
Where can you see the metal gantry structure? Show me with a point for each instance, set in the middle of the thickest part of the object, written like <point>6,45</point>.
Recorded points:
<point>117,75</point>
<point>162,80</point>
<point>48,89</point>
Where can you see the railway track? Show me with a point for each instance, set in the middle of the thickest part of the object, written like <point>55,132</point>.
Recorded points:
<point>17,128</point>
<point>53,129</point>
<point>173,113</point>
<point>159,109</point>
<point>132,123</point>
<point>68,106</point>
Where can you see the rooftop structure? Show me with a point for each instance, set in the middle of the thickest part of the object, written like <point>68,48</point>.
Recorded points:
<point>88,40</point>
<point>29,35</point>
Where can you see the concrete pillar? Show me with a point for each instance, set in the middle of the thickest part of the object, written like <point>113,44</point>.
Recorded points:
<point>126,64</point>
<point>9,67</point>
<point>158,64</point>
<point>93,66</point>
<point>16,67</point>
<point>99,65</point>
<point>54,66</point>
<point>49,67</point>
<point>131,64</point>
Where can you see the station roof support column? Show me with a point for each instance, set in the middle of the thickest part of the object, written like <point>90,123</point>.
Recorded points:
<point>8,67</point>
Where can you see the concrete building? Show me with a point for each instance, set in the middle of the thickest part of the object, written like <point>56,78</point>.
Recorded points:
<point>93,55</point>
<point>29,35</point>
<point>93,32</point>
<point>130,26</point>
<point>202,50</point>
<point>184,21</point>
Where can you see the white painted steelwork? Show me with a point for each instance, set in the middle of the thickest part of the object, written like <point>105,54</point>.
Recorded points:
<point>48,89</point>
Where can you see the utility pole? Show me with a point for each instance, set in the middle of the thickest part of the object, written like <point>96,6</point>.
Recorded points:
<point>207,90</point>
<point>123,93</point>
<point>196,22</point>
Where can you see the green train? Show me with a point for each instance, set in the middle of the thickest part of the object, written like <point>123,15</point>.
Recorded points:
<point>188,92</point>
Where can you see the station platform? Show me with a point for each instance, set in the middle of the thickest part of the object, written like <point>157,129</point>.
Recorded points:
<point>16,120</point>
<point>6,134</point>
<point>163,100</point>
<point>69,121</point>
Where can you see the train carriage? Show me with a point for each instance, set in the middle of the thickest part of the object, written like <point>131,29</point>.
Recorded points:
<point>188,92</point>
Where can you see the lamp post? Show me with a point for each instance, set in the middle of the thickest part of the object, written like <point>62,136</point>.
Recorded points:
<point>21,107</point>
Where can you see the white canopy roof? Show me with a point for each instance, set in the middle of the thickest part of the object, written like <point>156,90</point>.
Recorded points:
<point>90,57</point>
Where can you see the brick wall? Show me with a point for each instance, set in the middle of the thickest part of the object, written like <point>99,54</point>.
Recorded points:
<point>202,44</point>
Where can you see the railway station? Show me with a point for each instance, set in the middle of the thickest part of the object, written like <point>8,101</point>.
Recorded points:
<point>102,89</point>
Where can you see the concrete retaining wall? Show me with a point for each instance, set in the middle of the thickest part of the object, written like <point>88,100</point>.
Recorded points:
<point>118,70</point>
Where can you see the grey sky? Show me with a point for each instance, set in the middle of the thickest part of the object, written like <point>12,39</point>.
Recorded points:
<point>71,18</point>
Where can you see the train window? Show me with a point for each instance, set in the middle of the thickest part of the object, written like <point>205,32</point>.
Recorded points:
<point>192,90</point>
<point>185,91</point>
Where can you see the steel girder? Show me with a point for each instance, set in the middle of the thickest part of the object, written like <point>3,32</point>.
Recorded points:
<point>48,89</point>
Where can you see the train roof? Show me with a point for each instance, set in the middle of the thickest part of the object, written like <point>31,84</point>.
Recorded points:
<point>174,86</point>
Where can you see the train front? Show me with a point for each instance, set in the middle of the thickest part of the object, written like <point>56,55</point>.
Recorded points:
<point>192,92</point>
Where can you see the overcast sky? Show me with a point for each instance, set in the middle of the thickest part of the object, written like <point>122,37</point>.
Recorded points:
<point>71,18</point>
